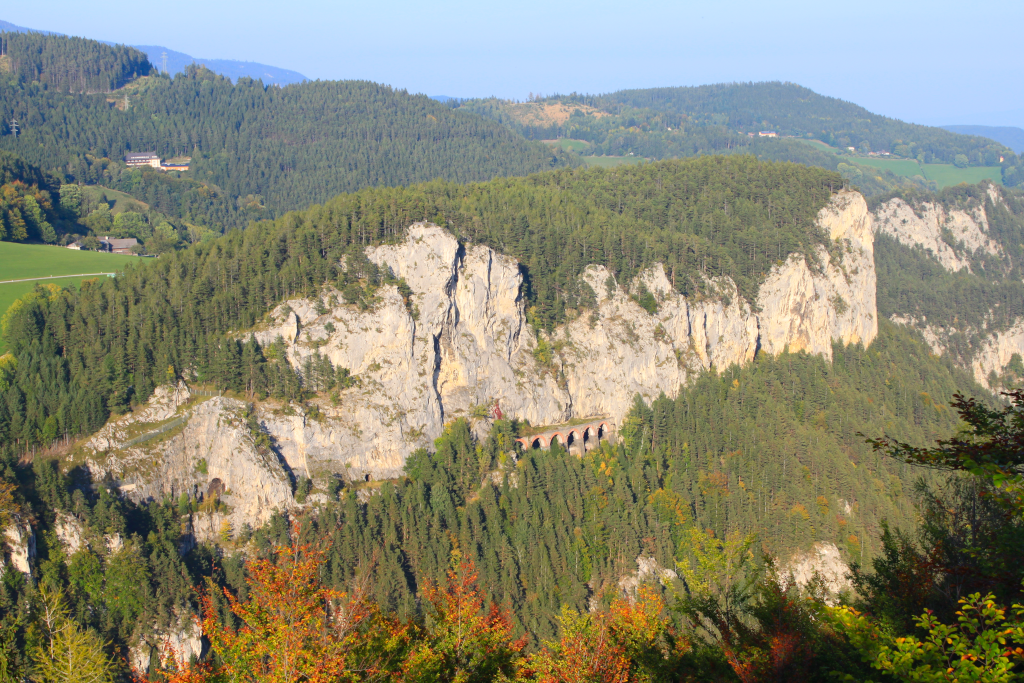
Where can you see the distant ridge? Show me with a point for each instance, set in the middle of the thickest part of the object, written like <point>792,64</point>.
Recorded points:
<point>232,68</point>
<point>8,26</point>
<point>1011,136</point>
<point>178,61</point>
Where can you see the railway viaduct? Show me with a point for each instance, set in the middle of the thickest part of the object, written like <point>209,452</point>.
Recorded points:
<point>583,436</point>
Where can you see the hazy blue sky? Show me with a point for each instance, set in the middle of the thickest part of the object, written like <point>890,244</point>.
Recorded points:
<point>930,62</point>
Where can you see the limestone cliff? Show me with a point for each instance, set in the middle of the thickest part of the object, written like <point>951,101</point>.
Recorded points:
<point>822,563</point>
<point>463,342</point>
<point>951,236</point>
<point>995,352</point>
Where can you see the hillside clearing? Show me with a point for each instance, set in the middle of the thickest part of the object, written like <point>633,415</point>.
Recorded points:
<point>612,162</point>
<point>31,262</point>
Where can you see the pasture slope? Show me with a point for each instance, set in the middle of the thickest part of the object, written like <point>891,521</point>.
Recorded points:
<point>29,263</point>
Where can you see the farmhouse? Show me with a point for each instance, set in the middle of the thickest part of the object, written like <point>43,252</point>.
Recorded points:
<point>142,159</point>
<point>768,134</point>
<point>118,246</point>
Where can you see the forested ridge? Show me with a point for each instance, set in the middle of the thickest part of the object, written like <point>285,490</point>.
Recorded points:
<point>280,148</point>
<point>662,123</point>
<point>81,354</point>
<point>68,64</point>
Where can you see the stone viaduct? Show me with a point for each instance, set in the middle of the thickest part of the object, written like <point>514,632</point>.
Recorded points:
<point>580,437</point>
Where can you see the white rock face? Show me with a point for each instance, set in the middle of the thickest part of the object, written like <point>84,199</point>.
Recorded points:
<point>462,342</point>
<point>181,643</point>
<point>995,352</point>
<point>21,543</point>
<point>807,311</point>
<point>214,452</point>
<point>647,571</point>
<point>969,230</point>
<point>825,562</point>
<point>70,533</point>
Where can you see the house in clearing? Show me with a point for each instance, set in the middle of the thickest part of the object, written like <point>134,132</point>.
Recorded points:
<point>142,159</point>
<point>118,246</point>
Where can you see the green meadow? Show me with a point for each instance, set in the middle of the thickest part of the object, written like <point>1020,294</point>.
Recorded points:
<point>948,174</point>
<point>903,167</point>
<point>30,262</point>
<point>612,162</point>
<point>578,146</point>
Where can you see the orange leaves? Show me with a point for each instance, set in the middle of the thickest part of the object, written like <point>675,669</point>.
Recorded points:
<point>292,628</point>
<point>462,641</point>
<point>630,642</point>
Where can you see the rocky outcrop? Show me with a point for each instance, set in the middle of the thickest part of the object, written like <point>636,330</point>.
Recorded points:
<point>169,646</point>
<point>460,343</point>
<point>823,563</point>
<point>806,310</point>
<point>951,236</point>
<point>70,533</point>
<point>991,355</point>
<point>213,452</point>
<point>647,571</point>
<point>996,351</point>
<point>20,540</point>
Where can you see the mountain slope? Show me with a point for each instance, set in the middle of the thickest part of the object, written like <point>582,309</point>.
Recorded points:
<point>73,65</point>
<point>1011,136</point>
<point>661,123</point>
<point>234,69</point>
<point>719,313</point>
<point>272,148</point>
<point>177,62</point>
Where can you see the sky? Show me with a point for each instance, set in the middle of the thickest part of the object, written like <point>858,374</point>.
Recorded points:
<point>937,62</point>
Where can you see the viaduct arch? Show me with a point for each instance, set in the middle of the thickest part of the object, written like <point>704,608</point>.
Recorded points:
<point>574,437</point>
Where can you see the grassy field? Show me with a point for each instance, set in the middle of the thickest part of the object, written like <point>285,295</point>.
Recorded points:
<point>817,144</point>
<point>578,146</point>
<point>903,167</point>
<point>947,174</point>
<point>612,162</point>
<point>19,261</point>
<point>122,201</point>
<point>26,261</point>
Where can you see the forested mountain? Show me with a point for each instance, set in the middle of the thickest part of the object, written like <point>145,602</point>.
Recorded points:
<point>257,146</point>
<point>774,448</point>
<point>664,123</point>
<point>178,61</point>
<point>75,65</point>
<point>1011,136</point>
<point>83,354</point>
<point>149,421</point>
